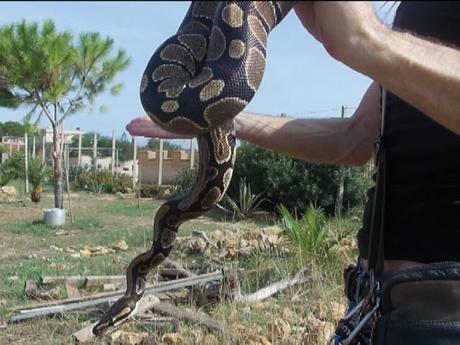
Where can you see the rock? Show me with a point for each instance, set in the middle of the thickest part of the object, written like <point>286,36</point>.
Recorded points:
<point>278,329</point>
<point>128,338</point>
<point>121,245</point>
<point>258,340</point>
<point>195,245</point>
<point>172,339</point>
<point>95,251</point>
<point>58,249</point>
<point>85,252</point>
<point>8,192</point>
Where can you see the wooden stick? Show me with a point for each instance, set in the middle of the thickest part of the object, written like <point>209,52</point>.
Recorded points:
<point>86,335</point>
<point>169,309</point>
<point>79,280</point>
<point>66,171</point>
<point>170,263</point>
<point>96,281</point>
<point>73,304</point>
<point>26,162</point>
<point>272,289</point>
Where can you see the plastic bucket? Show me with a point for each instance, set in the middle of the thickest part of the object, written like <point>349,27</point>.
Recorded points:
<point>54,217</point>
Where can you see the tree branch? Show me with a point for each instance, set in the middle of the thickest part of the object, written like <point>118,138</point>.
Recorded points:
<point>82,85</point>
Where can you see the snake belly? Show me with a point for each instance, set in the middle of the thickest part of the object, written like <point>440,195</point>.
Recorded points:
<point>195,83</point>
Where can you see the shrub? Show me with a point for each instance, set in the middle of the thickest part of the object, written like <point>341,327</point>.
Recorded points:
<point>184,181</point>
<point>3,149</point>
<point>5,175</point>
<point>296,183</point>
<point>103,181</point>
<point>15,165</point>
<point>152,190</point>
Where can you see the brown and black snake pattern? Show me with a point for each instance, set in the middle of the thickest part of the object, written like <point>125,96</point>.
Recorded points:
<point>195,83</point>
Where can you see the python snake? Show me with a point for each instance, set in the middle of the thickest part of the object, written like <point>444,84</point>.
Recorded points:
<point>195,83</point>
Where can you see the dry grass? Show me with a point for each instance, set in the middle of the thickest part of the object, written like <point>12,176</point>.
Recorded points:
<point>26,253</point>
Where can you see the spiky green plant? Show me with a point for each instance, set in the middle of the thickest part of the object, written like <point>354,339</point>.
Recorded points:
<point>248,203</point>
<point>307,233</point>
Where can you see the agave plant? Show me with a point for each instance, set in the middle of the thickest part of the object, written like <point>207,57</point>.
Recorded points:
<point>37,177</point>
<point>248,203</point>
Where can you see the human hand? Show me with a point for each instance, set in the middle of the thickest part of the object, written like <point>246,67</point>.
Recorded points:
<point>144,126</point>
<point>341,26</point>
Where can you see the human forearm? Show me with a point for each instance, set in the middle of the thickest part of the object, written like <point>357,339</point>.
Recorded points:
<point>310,139</point>
<point>336,141</point>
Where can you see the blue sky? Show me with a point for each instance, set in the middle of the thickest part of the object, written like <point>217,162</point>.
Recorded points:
<point>300,80</point>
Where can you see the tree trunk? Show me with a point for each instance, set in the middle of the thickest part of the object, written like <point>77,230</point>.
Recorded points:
<point>58,185</point>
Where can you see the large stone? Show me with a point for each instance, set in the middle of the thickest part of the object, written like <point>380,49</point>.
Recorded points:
<point>173,339</point>
<point>128,338</point>
<point>8,192</point>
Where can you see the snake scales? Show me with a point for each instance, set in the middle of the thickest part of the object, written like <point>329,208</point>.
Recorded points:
<point>195,83</point>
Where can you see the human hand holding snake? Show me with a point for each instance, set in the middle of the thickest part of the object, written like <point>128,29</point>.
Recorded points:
<point>195,83</point>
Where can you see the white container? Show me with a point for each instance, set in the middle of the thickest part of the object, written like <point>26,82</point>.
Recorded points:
<point>54,217</point>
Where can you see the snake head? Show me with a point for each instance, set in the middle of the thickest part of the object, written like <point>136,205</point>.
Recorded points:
<point>121,311</point>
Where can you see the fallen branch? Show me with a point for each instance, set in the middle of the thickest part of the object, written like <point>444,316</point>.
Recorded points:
<point>78,280</point>
<point>171,268</point>
<point>169,309</point>
<point>86,335</point>
<point>270,290</point>
<point>168,263</point>
<point>73,304</point>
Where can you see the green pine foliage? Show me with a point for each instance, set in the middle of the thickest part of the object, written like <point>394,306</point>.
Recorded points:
<point>55,74</point>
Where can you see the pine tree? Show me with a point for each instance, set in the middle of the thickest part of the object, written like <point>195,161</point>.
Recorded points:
<point>55,74</point>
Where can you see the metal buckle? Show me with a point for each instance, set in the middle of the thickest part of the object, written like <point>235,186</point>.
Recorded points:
<point>357,318</point>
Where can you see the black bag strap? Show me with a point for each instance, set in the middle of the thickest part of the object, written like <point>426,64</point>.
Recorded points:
<point>376,236</point>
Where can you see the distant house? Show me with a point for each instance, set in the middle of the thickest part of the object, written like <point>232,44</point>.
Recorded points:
<point>173,163</point>
<point>15,143</point>
<point>11,144</point>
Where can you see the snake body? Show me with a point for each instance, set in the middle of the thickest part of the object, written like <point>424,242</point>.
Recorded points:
<point>195,83</point>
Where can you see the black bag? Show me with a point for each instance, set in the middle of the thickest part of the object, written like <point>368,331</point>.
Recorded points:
<point>420,306</point>
<point>417,306</point>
